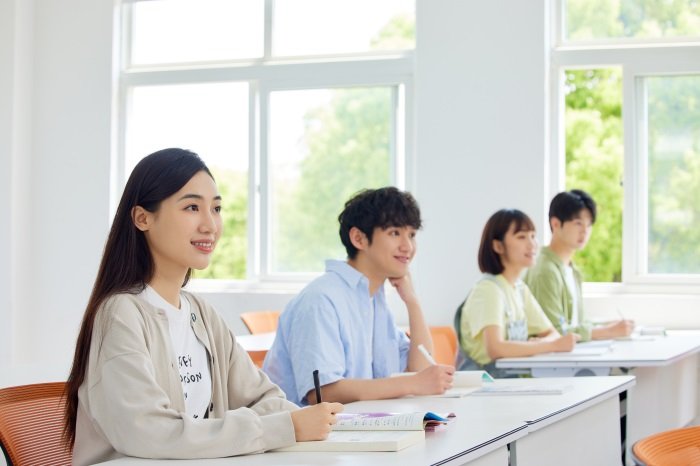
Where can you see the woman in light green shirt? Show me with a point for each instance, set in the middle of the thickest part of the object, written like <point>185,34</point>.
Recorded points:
<point>500,318</point>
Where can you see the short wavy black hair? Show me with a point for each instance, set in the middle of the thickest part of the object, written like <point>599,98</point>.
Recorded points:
<point>377,208</point>
<point>566,205</point>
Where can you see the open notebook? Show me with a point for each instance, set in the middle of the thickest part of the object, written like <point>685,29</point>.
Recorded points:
<point>375,432</point>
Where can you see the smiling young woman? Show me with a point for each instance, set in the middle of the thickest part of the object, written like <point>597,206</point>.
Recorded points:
<point>500,317</point>
<point>156,372</point>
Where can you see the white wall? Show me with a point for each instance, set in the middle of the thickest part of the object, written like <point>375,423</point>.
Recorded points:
<point>7,83</point>
<point>481,80</point>
<point>59,60</point>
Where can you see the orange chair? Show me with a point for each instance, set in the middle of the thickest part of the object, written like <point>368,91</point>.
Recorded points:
<point>669,448</point>
<point>31,424</point>
<point>258,357</point>
<point>261,321</point>
<point>444,344</point>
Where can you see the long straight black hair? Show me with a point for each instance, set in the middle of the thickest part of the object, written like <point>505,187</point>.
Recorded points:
<point>127,263</point>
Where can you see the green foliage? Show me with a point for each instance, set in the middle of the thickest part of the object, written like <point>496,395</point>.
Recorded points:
<point>594,163</point>
<point>674,174</point>
<point>603,19</point>
<point>229,258</point>
<point>348,144</point>
<point>398,34</point>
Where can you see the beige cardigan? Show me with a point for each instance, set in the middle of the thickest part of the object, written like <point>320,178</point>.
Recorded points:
<point>131,401</point>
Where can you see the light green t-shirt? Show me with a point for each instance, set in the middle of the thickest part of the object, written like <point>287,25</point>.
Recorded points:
<point>486,305</point>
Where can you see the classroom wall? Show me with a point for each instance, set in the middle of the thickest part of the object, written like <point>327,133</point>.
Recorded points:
<point>481,146</point>
<point>60,84</point>
<point>7,54</point>
<point>481,120</point>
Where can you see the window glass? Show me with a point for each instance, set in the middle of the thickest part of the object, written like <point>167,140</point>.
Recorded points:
<point>174,31</point>
<point>674,174</point>
<point>211,120</point>
<point>652,19</point>
<point>594,163</point>
<point>325,145</point>
<point>317,27</point>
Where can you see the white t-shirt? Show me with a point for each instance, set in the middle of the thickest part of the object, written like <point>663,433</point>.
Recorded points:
<point>571,285</point>
<point>191,354</point>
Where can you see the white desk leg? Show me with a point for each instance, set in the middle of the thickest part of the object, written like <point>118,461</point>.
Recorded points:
<point>664,398</point>
<point>591,436</point>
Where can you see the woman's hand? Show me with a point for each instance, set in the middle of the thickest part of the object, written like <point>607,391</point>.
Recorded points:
<point>314,422</point>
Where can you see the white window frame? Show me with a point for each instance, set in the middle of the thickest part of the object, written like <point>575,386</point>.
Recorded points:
<point>637,59</point>
<point>265,75</point>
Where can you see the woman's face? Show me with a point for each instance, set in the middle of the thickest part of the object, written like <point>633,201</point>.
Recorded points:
<point>519,248</point>
<point>185,229</point>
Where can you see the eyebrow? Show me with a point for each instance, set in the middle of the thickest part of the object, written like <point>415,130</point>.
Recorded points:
<point>197,196</point>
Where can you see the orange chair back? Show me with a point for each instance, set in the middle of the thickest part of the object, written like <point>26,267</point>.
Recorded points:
<point>669,448</point>
<point>444,344</point>
<point>261,321</point>
<point>258,357</point>
<point>31,424</point>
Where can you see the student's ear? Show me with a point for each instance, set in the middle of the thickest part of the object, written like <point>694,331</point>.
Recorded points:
<point>141,218</point>
<point>498,246</point>
<point>554,223</point>
<point>358,238</point>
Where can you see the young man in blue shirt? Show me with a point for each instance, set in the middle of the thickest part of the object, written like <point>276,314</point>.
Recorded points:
<point>340,323</point>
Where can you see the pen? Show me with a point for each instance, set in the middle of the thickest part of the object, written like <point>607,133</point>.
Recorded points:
<point>620,312</point>
<point>427,355</point>
<point>317,385</point>
<point>561,323</point>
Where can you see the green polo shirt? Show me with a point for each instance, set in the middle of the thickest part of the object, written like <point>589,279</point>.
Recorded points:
<point>548,285</point>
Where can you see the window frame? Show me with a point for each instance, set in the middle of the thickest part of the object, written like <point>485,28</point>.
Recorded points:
<point>638,59</point>
<point>264,75</point>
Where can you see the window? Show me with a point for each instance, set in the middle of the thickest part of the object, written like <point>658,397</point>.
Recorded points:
<point>594,163</point>
<point>599,20</point>
<point>291,108</point>
<point>627,127</point>
<point>672,142</point>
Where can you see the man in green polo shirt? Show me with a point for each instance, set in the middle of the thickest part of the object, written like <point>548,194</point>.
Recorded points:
<point>555,281</point>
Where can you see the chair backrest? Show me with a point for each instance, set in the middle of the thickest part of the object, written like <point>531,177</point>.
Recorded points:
<point>444,344</point>
<point>258,357</point>
<point>31,424</point>
<point>669,448</point>
<point>261,321</point>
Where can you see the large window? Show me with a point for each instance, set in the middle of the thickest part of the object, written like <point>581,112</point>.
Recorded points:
<point>628,117</point>
<point>294,106</point>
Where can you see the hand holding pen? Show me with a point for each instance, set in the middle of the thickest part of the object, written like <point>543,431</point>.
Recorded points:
<point>315,422</point>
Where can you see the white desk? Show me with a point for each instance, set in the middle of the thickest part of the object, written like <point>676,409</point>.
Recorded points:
<point>484,429</point>
<point>256,341</point>
<point>666,393</point>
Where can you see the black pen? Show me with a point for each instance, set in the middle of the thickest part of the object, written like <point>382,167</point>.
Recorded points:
<point>317,385</point>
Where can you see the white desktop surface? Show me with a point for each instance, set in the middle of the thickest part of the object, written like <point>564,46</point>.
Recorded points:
<point>661,351</point>
<point>666,368</point>
<point>484,426</point>
<point>256,341</point>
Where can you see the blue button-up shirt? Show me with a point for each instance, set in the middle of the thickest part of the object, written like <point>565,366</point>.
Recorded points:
<point>331,326</point>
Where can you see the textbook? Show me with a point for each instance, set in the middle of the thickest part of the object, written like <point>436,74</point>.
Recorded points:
<point>465,382</point>
<point>392,421</point>
<point>522,390</point>
<point>375,432</point>
<point>361,440</point>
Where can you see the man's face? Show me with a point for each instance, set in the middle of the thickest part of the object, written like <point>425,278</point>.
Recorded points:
<point>576,232</point>
<point>392,250</point>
